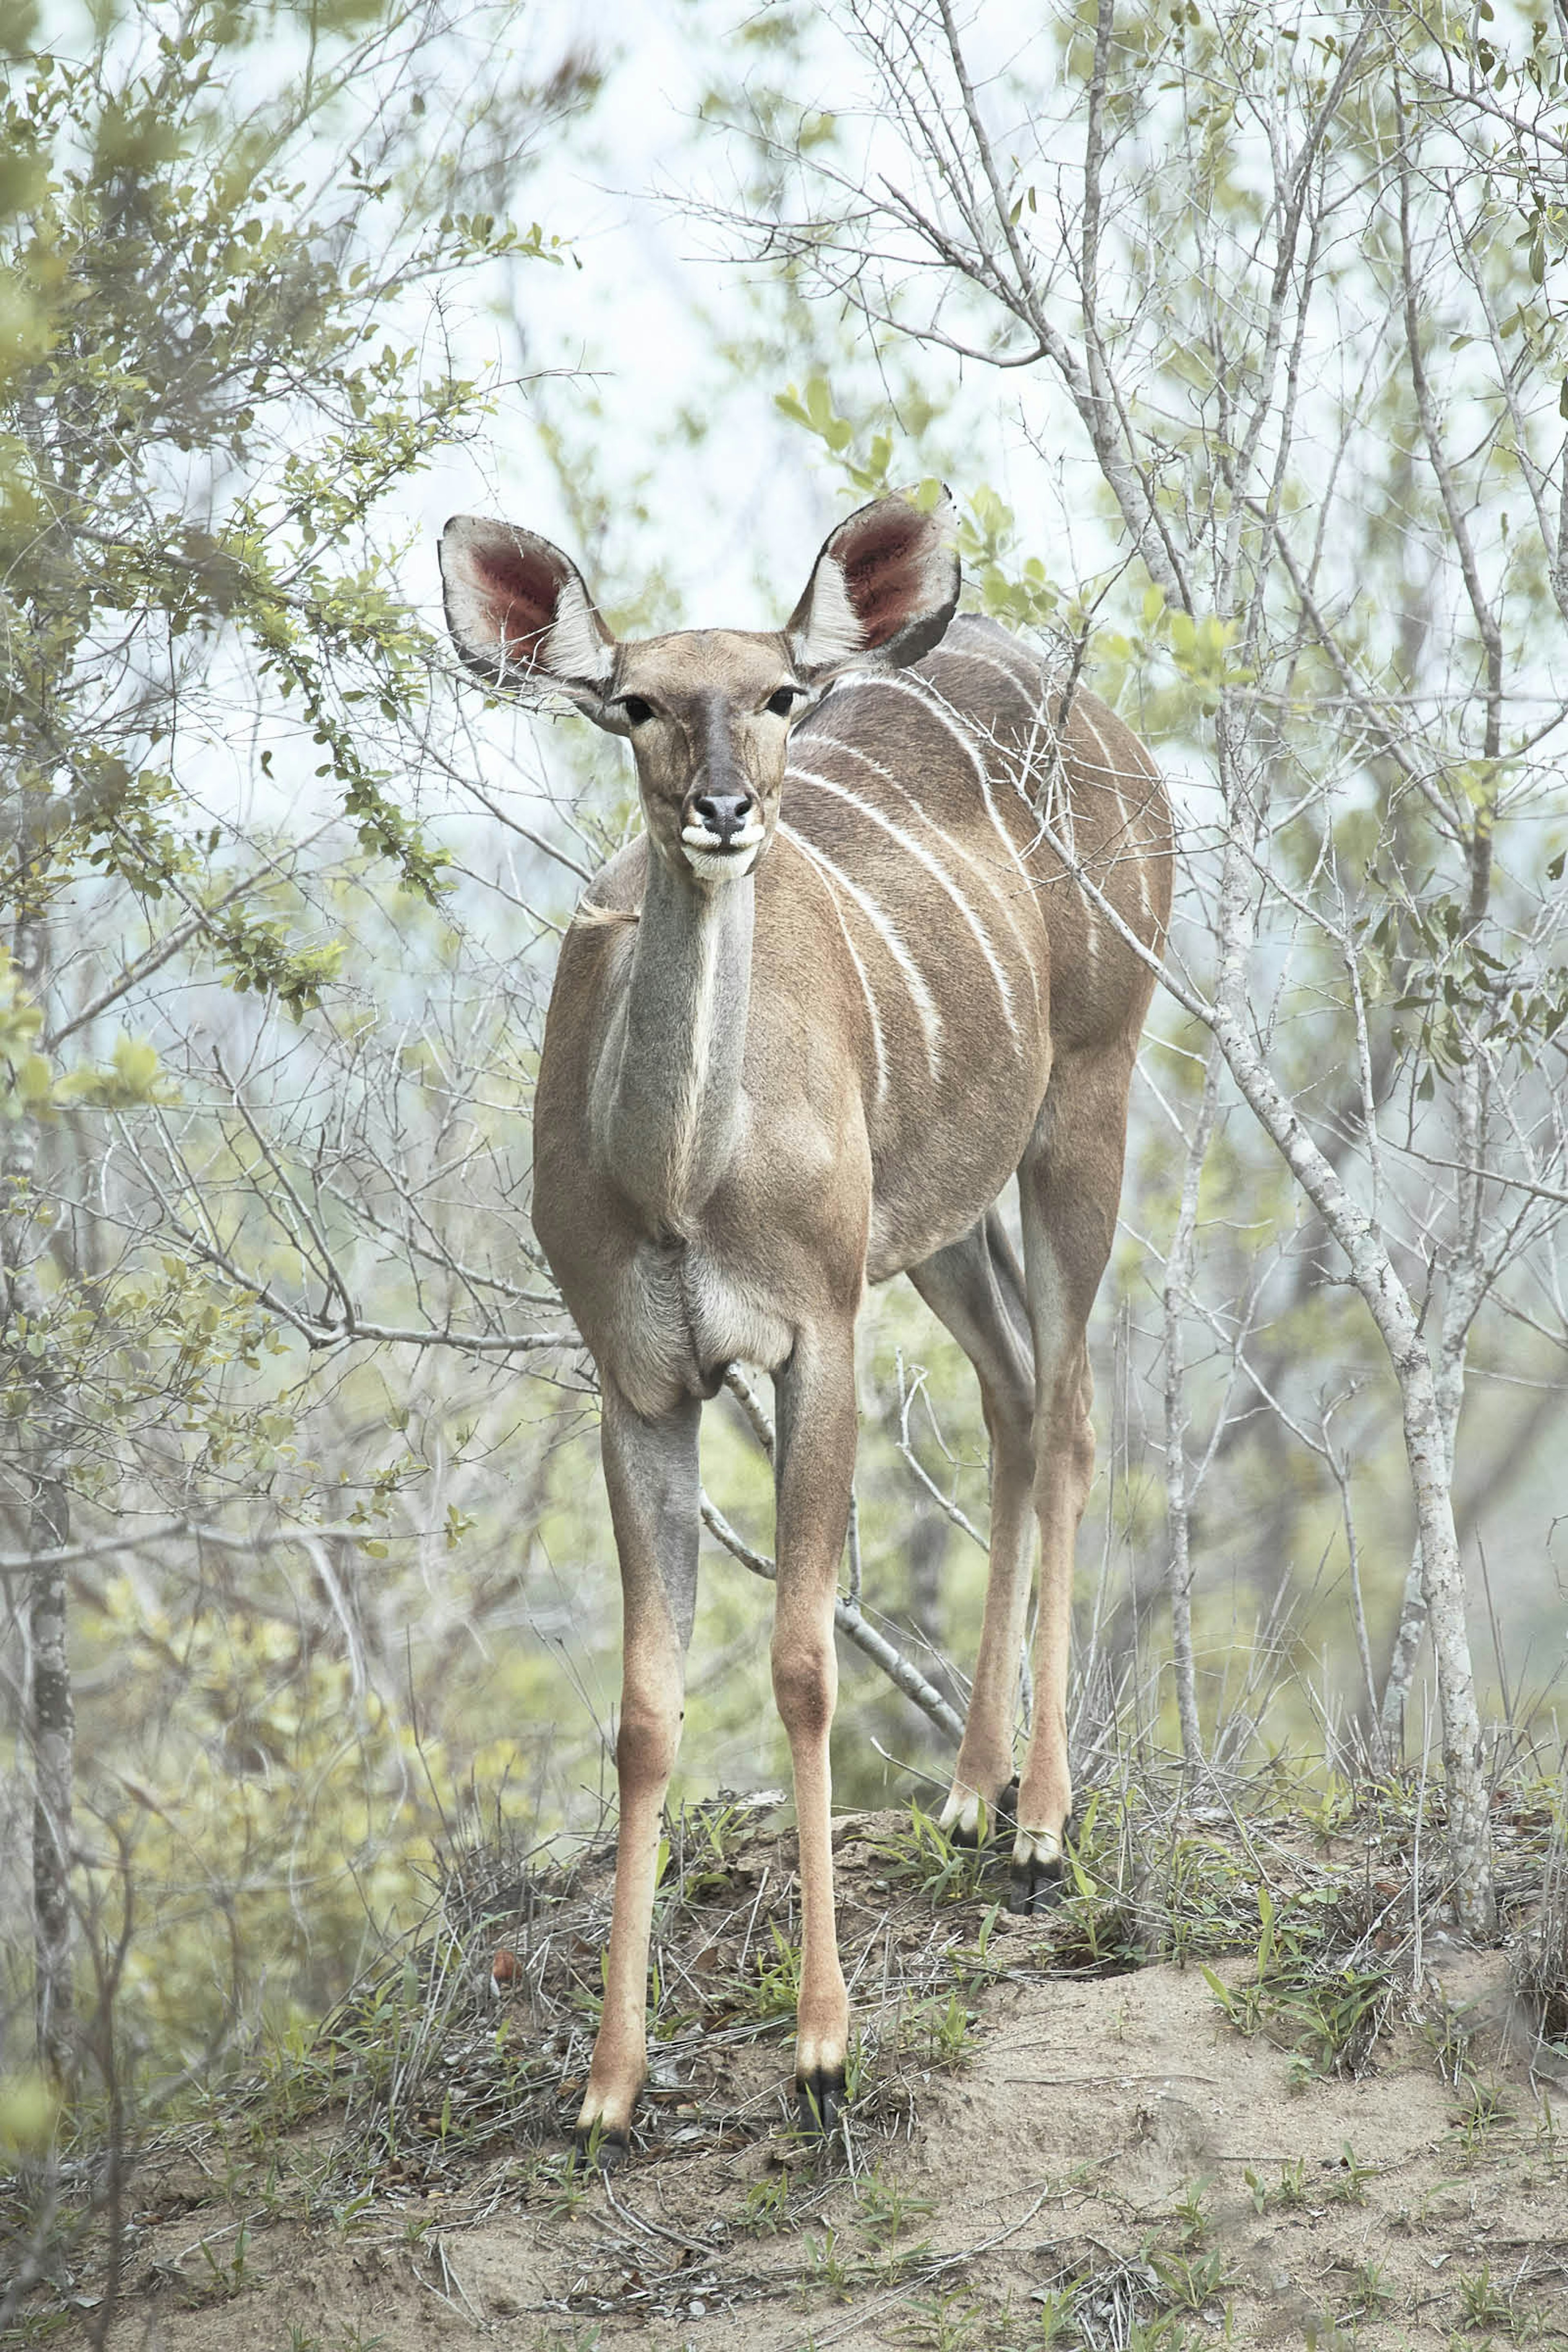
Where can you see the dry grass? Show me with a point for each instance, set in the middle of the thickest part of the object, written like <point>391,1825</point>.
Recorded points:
<point>437,2099</point>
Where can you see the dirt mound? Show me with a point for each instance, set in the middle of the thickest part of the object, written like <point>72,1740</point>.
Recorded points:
<point>1057,2138</point>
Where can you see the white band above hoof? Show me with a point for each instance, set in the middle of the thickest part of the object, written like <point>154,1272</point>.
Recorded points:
<point>961,1812</point>
<point>1035,1847</point>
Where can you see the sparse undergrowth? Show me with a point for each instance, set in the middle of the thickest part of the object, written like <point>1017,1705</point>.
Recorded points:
<point>439,2098</point>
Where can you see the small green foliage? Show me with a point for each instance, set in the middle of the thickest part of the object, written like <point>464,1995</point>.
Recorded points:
<point>774,1991</point>
<point>1096,1927</point>
<point>1329,2015</point>
<point>981,1964</point>
<point>567,2179</point>
<point>952,2321</point>
<point>1484,2110</point>
<point>1288,2194</point>
<point>937,2032</point>
<point>866,467</point>
<point>765,2206</point>
<point>1192,2279</point>
<point>1187,2210</point>
<point>1208,1899</point>
<point>229,2273</point>
<point>1020,593</point>
<point>1369,2292</point>
<point>352,2213</point>
<point>924,1856</point>
<point>827,2268</point>
<point>884,2210</point>
<point>1483,2301</point>
<point>702,1846</point>
<point>1447,2037</point>
<point>1348,2179</point>
<point>1057,2326</point>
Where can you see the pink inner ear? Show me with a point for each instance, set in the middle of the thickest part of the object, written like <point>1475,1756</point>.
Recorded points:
<point>885,574</point>
<point>521,589</point>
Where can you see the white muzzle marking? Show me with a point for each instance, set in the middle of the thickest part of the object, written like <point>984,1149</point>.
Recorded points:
<point>711,861</point>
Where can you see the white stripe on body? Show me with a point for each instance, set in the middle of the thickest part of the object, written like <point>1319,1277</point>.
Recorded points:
<point>907,843</point>
<point>1003,898</point>
<point>699,1030</point>
<point>964,652</point>
<point>1043,733</point>
<point>929,1018</point>
<point>1113,774</point>
<point>878,1046</point>
<point>947,717</point>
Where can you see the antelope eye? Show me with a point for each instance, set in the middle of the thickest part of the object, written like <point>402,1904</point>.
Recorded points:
<point>638,711</point>
<point>782,703</point>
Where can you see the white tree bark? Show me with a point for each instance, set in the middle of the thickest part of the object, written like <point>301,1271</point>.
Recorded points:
<point>1427,1447</point>
<point>1376,1279</point>
<point>1464,1288</point>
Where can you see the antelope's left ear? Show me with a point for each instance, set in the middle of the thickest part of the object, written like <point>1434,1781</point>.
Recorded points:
<point>881,593</point>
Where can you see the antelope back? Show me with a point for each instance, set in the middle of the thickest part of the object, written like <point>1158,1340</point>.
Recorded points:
<point>932,808</point>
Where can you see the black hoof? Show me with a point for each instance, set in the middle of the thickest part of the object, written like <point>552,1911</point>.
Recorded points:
<point>603,2149</point>
<point>1034,1888</point>
<point>1000,1821</point>
<point>819,2097</point>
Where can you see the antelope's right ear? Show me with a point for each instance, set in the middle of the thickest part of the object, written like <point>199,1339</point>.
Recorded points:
<point>521,616</point>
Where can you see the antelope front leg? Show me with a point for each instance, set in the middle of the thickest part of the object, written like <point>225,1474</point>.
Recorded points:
<point>651,1473</point>
<point>816,1464</point>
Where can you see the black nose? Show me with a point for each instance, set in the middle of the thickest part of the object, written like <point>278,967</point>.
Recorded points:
<point>724,814</point>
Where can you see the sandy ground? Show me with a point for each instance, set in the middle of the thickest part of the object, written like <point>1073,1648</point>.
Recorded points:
<point>1100,2152</point>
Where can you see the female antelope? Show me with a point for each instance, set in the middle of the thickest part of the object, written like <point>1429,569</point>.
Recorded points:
<point>876,959</point>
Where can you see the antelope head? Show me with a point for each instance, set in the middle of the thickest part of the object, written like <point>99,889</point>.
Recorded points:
<point>707,711</point>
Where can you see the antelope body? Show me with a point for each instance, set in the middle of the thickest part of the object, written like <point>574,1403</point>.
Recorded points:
<point>805,1029</point>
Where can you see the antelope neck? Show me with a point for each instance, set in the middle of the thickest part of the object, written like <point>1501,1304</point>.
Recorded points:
<point>670,1104</point>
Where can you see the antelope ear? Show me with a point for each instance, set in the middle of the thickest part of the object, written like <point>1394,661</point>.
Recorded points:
<point>520,614</point>
<point>881,593</point>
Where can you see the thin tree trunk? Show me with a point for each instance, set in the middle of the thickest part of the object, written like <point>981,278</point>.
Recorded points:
<point>1394,1314</point>
<point>52,1738</point>
<point>49,1718</point>
<point>1178,1496</point>
<point>1466,1282</point>
<point>1427,1453</point>
<point>1464,1287</point>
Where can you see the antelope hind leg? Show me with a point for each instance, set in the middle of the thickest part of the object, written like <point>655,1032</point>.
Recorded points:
<point>1070,1185</point>
<point>651,1474</point>
<point>976,1288</point>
